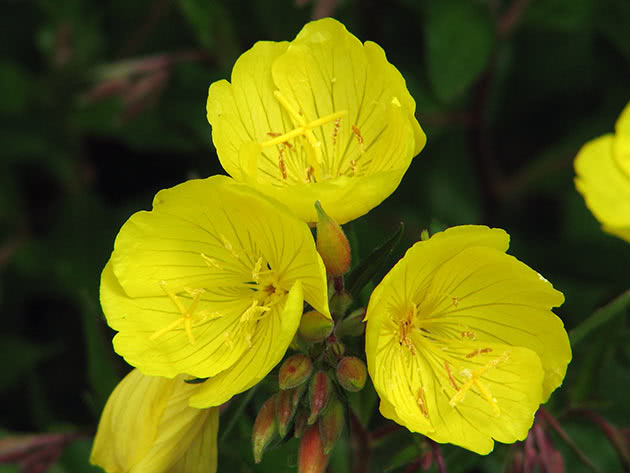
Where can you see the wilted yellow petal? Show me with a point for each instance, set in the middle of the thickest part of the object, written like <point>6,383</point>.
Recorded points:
<point>147,427</point>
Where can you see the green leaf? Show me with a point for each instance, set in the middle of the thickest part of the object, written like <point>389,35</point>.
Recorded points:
<point>372,264</point>
<point>560,15</point>
<point>24,355</point>
<point>601,316</point>
<point>459,39</point>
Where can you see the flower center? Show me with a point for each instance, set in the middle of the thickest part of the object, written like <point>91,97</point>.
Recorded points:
<point>438,338</point>
<point>314,160</point>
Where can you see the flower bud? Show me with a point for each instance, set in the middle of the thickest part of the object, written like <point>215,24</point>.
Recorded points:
<point>311,457</point>
<point>300,424</point>
<point>339,303</point>
<point>331,424</point>
<point>265,428</point>
<point>315,327</point>
<point>351,373</point>
<point>352,325</point>
<point>332,244</point>
<point>337,349</point>
<point>286,404</point>
<point>294,371</point>
<point>319,394</point>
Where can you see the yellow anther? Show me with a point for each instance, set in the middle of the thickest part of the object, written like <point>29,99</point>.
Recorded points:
<point>186,314</point>
<point>422,403</point>
<point>451,379</point>
<point>357,134</point>
<point>455,301</point>
<point>256,270</point>
<point>468,334</point>
<point>478,352</point>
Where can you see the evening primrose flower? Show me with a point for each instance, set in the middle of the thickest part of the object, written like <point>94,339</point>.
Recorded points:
<point>211,283</point>
<point>603,177</point>
<point>148,427</point>
<point>323,117</point>
<point>461,343</point>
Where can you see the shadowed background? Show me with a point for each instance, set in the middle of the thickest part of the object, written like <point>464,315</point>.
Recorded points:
<point>103,104</point>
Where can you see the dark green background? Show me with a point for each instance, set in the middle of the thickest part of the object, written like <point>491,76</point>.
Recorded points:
<point>506,91</point>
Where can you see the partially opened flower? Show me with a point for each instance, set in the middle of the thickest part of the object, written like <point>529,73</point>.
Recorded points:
<point>321,118</point>
<point>147,427</point>
<point>461,343</point>
<point>211,283</point>
<point>603,177</point>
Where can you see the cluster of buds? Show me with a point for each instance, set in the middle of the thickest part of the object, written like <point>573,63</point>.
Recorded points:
<point>311,402</point>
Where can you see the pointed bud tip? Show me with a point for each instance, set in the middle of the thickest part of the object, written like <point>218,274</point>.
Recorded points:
<point>332,244</point>
<point>265,428</point>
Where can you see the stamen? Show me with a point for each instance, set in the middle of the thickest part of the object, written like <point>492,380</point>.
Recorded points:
<point>211,262</point>
<point>309,173</point>
<point>469,334</point>
<point>357,133</point>
<point>256,270</point>
<point>455,301</point>
<point>478,351</point>
<point>422,404</point>
<point>336,131</point>
<point>450,375</point>
<point>281,165</point>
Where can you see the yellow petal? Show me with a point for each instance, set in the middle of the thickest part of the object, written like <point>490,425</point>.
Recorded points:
<point>129,423</point>
<point>273,336</point>
<point>621,145</point>
<point>339,123</point>
<point>461,343</point>
<point>605,188</point>
<point>147,427</point>
<point>187,276</point>
<point>201,456</point>
<point>246,110</point>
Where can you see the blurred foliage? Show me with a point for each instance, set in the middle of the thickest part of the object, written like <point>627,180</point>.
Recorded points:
<point>104,104</point>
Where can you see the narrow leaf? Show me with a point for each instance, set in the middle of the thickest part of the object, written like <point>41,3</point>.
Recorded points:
<point>372,264</point>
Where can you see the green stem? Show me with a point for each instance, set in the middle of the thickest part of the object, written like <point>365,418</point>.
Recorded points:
<point>600,317</point>
<point>237,414</point>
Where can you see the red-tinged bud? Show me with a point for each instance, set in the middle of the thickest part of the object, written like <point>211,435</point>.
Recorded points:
<point>320,391</point>
<point>332,244</point>
<point>294,371</point>
<point>339,303</point>
<point>265,428</point>
<point>300,424</point>
<point>351,373</point>
<point>352,325</point>
<point>315,327</point>
<point>286,405</point>
<point>311,457</point>
<point>331,424</point>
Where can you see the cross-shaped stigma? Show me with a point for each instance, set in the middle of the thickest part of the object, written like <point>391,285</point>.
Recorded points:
<point>186,314</point>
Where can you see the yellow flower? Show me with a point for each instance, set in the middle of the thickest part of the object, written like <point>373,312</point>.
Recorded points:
<point>211,283</point>
<point>603,177</point>
<point>321,118</point>
<point>461,343</point>
<point>147,427</point>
